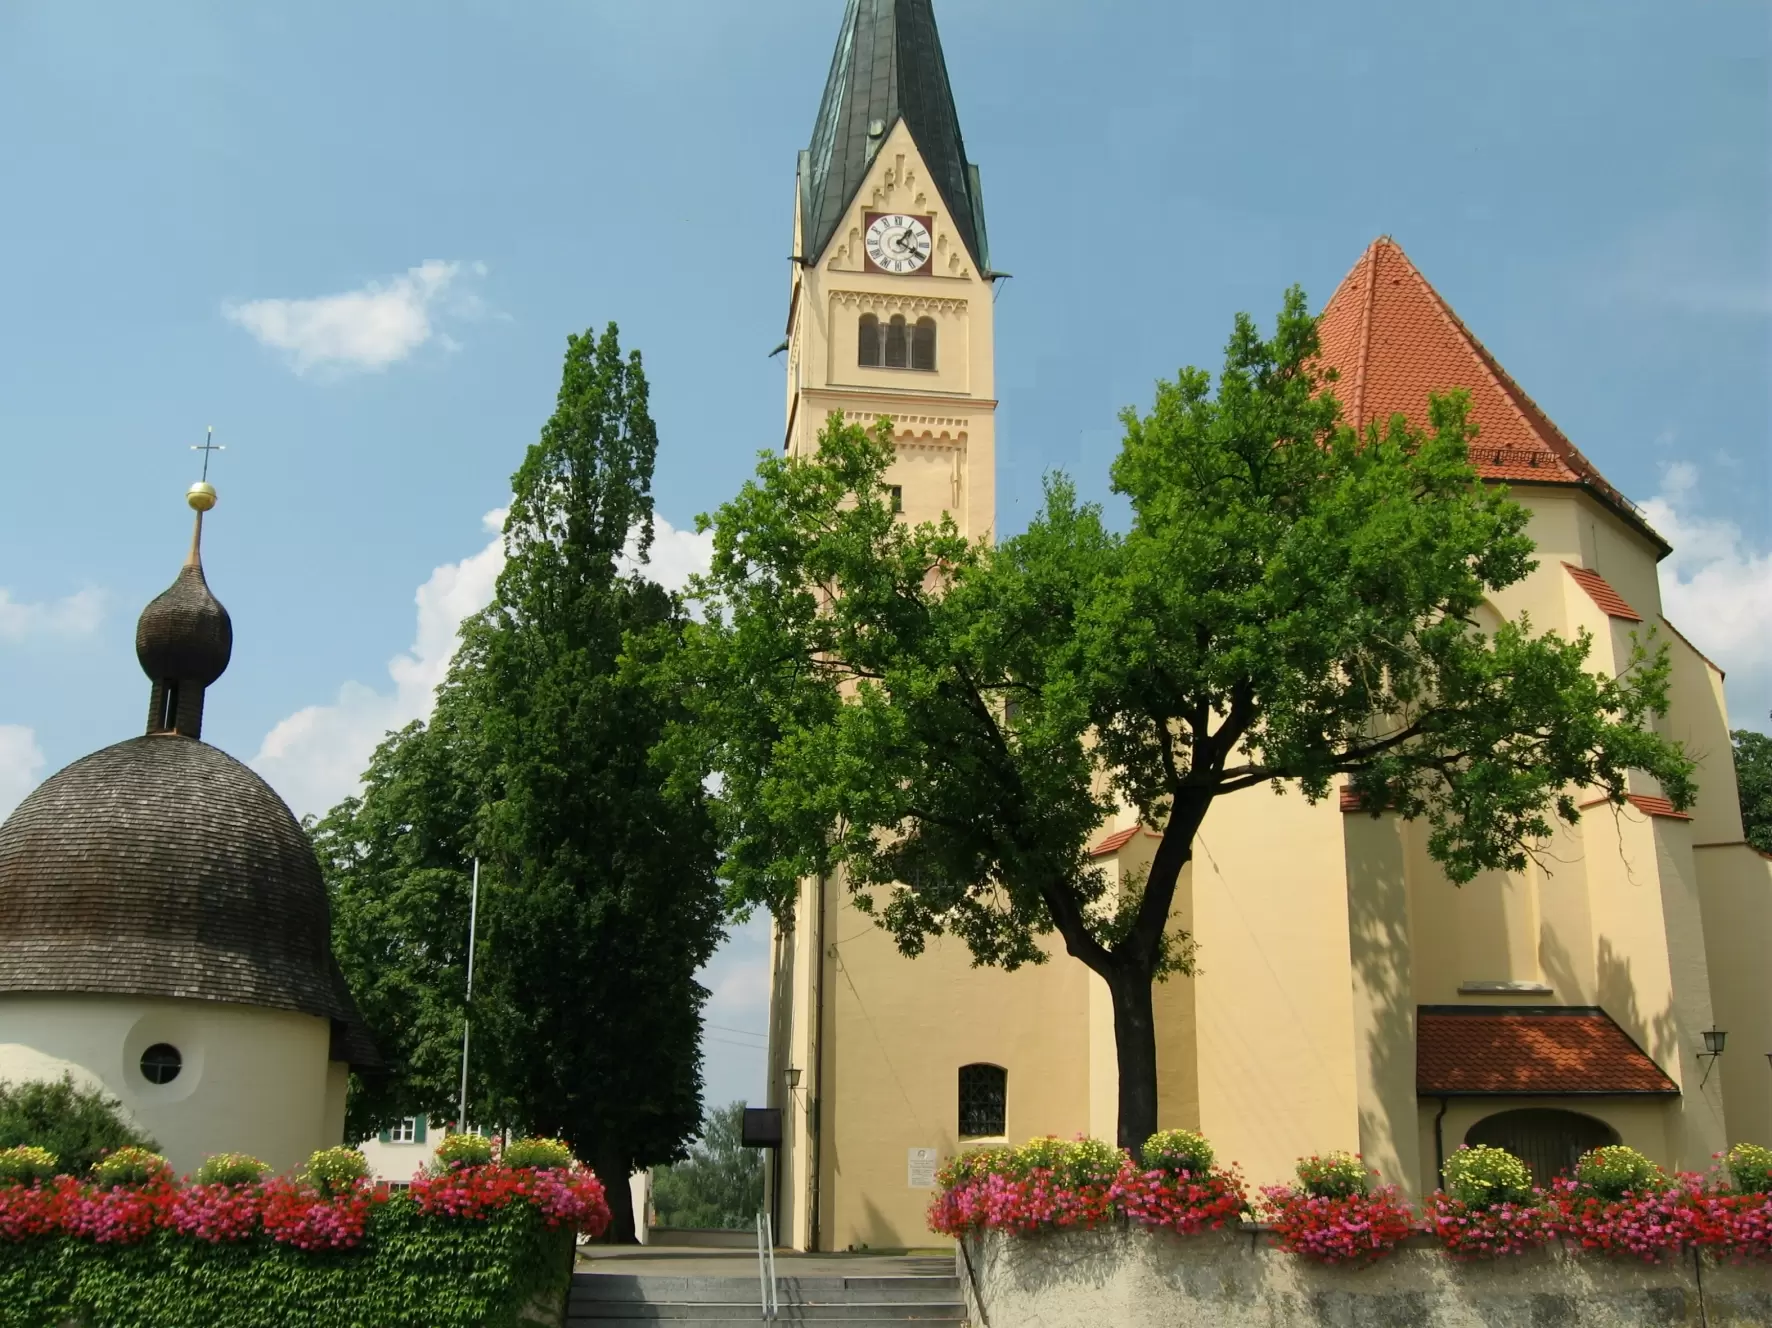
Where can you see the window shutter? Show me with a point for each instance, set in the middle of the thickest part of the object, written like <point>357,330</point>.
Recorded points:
<point>387,1136</point>
<point>418,1129</point>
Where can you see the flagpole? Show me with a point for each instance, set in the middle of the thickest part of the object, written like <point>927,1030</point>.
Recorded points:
<point>461,1114</point>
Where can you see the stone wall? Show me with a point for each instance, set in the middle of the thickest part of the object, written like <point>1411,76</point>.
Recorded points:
<point>1143,1279</point>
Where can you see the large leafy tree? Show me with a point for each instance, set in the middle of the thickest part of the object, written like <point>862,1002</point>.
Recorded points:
<point>947,724</point>
<point>1753,777</point>
<point>720,1183</point>
<point>598,895</point>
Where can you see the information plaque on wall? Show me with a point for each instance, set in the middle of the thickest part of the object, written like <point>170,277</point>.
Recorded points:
<point>920,1169</point>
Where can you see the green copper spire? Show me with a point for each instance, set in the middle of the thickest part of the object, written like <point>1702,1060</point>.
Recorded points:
<point>888,67</point>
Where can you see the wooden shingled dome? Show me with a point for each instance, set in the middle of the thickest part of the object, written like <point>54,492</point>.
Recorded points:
<point>161,866</point>
<point>185,633</point>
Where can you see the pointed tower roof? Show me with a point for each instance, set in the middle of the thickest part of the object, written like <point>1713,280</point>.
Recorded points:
<point>888,67</point>
<point>1394,340</point>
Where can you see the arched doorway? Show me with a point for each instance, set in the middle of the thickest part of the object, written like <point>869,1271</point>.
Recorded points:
<point>1546,1139</point>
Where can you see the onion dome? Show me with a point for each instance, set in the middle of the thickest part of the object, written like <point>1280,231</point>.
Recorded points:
<point>162,866</point>
<point>184,638</point>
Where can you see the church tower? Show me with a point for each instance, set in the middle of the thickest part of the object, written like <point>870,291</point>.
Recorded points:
<point>890,311</point>
<point>890,316</point>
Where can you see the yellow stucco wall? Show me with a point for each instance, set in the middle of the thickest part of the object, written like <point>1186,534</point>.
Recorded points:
<point>253,1080</point>
<point>1320,933</point>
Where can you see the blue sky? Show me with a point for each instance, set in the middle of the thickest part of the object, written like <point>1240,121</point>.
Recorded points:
<point>354,237</point>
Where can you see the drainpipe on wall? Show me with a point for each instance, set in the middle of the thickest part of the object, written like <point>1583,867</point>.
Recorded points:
<point>1440,1145</point>
<point>815,1106</point>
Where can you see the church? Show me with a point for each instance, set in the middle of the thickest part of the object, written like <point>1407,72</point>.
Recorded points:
<point>165,935</point>
<point>1349,996</point>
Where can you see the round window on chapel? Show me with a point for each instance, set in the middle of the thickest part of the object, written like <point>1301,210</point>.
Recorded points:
<point>161,1063</point>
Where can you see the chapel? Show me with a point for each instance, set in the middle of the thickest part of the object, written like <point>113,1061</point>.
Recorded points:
<point>164,927</point>
<point>1349,996</point>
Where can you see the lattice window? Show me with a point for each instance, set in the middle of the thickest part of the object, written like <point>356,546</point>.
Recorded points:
<point>984,1095</point>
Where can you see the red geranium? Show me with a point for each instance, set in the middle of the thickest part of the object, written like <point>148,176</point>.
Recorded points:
<point>1483,1233</point>
<point>219,1214</point>
<point>1182,1202</point>
<point>1352,1228</point>
<point>1650,1223</point>
<point>564,1197</point>
<point>299,1214</point>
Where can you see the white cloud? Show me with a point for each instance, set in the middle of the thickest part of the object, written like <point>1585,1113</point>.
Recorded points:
<point>76,615</point>
<point>21,765</point>
<point>1717,589</point>
<point>317,756</point>
<point>370,328</point>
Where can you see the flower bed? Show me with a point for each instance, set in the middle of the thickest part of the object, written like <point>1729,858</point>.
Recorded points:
<point>128,1247</point>
<point>1617,1203</point>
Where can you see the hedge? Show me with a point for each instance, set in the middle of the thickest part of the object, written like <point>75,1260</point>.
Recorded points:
<point>470,1247</point>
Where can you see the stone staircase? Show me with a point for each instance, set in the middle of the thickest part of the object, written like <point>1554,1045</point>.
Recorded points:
<point>927,1294</point>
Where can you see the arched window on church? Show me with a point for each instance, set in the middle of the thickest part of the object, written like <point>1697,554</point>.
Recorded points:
<point>1545,1139</point>
<point>868,342</point>
<point>897,344</point>
<point>984,1096</point>
<point>923,345</point>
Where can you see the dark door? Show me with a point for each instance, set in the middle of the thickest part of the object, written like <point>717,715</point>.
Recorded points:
<point>1545,1139</point>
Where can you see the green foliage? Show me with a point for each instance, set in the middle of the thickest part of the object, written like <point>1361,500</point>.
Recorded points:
<point>947,723</point>
<point>130,1167</point>
<point>538,1153</point>
<point>1753,779</point>
<point>79,1125</point>
<point>1177,1151</point>
<point>598,899</point>
<point>335,1170</point>
<point>720,1183</point>
<point>231,1169</point>
<point>1750,1168</point>
<point>411,1272</point>
<point>1484,1176</point>
<point>1072,1162</point>
<point>976,1164</point>
<point>463,1150</point>
<point>1615,1170</point>
<point>1334,1176</point>
<point>26,1165</point>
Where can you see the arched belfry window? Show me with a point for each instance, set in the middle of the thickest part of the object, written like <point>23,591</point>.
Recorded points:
<point>923,345</point>
<point>1545,1139</point>
<point>984,1096</point>
<point>897,344</point>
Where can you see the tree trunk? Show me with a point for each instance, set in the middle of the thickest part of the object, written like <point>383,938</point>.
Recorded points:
<point>1135,1047</point>
<point>614,1170</point>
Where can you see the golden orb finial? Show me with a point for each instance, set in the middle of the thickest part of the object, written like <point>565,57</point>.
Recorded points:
<point>201,496</point>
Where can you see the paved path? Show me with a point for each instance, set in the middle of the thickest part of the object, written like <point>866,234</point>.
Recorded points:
<point>686,1261</point>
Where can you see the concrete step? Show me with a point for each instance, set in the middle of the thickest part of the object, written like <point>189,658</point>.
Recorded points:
<point>614,1300</point>
<point>703,1315</point>
<point>628,1289</point>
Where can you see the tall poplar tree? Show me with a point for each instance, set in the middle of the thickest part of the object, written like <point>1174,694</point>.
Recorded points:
<point>598,895</point>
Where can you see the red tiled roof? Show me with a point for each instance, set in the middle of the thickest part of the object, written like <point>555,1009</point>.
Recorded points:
<point>1352,801</point>
<point>1114,842</point>
<point>1394,340</point>
<point>1649,804</point>
<point>1553,1052</point>
<point>1600,590</point>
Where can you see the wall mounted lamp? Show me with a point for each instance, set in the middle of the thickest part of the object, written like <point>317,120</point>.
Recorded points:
<point>793,1077</point>
<point>1714,1038</point>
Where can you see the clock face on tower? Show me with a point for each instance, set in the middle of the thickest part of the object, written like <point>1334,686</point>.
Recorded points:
<point>898,243</point>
